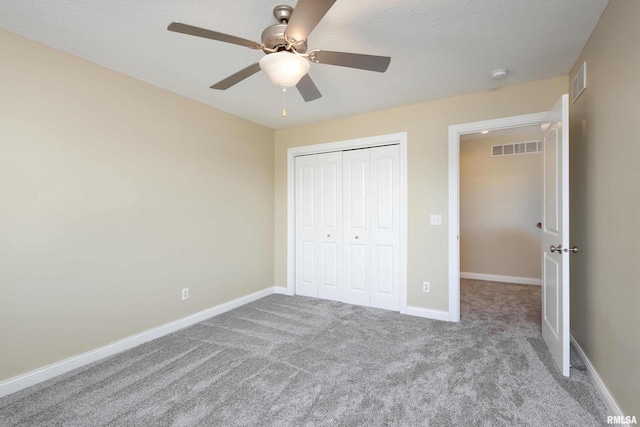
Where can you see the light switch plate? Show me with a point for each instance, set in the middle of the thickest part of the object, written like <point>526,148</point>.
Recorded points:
<point>436,219</point>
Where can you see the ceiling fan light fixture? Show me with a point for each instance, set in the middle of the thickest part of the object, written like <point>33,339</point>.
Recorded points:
<point>285,69</point>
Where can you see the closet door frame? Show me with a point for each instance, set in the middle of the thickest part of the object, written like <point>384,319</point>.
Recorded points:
<point>369,142</point>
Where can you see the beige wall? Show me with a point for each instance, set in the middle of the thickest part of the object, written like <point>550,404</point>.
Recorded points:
<point>114,195</point>
<point>427,127</point>
<point>500,205</point>
<point>605,201</point>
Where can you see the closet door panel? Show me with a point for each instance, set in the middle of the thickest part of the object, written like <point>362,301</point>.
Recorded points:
<point>306,247</point>
<point>385,227</point>
<point>356,216</point>
<point>382,275</point>
<point>330,225</point>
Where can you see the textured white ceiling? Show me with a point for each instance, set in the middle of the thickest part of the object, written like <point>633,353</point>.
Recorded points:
<point>439,48</point>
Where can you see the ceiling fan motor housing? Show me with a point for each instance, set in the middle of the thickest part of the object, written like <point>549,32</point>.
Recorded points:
<point>273,36</point>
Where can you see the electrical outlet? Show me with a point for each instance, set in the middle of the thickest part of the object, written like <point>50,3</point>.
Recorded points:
<point>426,287</point>
<point>185,293</point>
<point>436,219</point>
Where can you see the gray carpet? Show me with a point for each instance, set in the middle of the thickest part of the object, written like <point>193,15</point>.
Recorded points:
<point>296,361</point>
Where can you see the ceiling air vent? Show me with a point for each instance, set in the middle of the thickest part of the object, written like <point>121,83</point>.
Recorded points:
<point>528,147</point>
<point>579,83</point>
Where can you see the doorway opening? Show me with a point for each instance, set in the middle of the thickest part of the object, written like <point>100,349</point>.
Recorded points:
<point>501,191</point>
<point>455,134</point>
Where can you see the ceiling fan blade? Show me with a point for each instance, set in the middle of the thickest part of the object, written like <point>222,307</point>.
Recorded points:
<point>308,89</point>
<point>305,17</point>
<point>214,35</point>
<point>352,60</point>
<point>237,77</point>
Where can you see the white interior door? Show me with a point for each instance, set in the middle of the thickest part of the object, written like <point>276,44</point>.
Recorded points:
<point>555,238</point>
<point>355,237</point>
<point>329,213</point>
<point>306,253</point>
<point>385,227</point>
<point>356,266</point>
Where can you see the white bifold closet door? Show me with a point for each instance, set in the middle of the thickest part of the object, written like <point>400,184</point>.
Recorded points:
<point>371,227</point>
<point>319,225</point>
<point>348,226</point>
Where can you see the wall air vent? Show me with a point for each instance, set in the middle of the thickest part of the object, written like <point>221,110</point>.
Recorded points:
<point>528,147</point>
<point>579,83</point>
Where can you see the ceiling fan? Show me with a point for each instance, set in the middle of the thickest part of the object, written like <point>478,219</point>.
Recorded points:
<point>285,44</point>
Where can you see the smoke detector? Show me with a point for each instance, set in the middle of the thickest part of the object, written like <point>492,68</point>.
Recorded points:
<point>499,74</point>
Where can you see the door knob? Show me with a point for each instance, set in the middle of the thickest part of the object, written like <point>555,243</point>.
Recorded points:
<point>554,248</point>
<point>328,235</point>
<point>356,237</point>
<point>572,249</point>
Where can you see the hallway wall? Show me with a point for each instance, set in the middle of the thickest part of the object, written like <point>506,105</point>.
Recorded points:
<point>500,205</point>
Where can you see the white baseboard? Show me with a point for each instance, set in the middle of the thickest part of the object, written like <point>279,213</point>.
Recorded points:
<point>427,313</point>
<point>282,290</point>
<point>47,372</point>
<point>602,389</point>
<point>498,278</point>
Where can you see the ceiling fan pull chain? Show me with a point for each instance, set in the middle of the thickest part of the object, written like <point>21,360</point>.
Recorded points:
<point>284,102</point>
